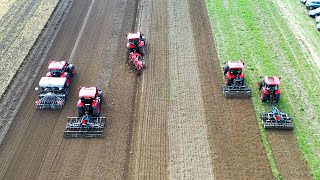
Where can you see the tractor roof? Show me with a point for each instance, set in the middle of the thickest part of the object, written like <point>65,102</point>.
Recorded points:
<point>87,92</point>
<point>56,65</point>
<point>133,35</point>
<point>52,82</point>
<point>235,65</point>
<point>271,80</point>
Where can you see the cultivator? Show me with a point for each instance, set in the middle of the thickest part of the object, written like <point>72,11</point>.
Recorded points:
<point>276,119</point>
<point>136,62</point>
<point>50,100</point>
<point>86,126</point>
<point>236,90</point>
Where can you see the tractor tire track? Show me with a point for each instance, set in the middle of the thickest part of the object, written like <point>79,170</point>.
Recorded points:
<point>150,151</point>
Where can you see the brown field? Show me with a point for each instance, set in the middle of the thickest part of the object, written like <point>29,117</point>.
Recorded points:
<point>172,122</point>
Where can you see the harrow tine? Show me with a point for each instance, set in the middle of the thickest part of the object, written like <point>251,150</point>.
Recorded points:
<point>75,129</point>
<point>236,93</point>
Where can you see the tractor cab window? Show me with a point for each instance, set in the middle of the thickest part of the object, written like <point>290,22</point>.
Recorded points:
<point>235,71</point>
<point>50,89</point>
<point>86,100</point>
<point>56,72</point>
<point>272,87</point>
<point>134,41</point>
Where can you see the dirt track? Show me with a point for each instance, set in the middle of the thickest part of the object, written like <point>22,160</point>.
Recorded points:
<point>153,129</point>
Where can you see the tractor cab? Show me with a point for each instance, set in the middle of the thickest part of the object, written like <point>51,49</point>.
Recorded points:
<point>60,69</point>
<point>271,83</point>
<point>89,101</point>
<point>134,39</point>
<point>136,43</point>
<point>235,68</point>
<point>52,85</point>
<point>57,68</point>
<point>269,89</point>
<point>87,94</point>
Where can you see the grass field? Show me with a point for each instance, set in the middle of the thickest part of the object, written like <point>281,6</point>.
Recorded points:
<point>263,37</point>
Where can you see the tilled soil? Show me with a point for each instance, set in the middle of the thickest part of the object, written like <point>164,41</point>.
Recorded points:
<point>180,98</point>
<point>171,122</point>
<point>34,146</point>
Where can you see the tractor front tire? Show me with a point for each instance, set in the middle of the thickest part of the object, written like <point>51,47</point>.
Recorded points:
<point>71,70</point>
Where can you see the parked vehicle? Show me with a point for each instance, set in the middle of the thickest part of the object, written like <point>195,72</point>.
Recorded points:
<point>314,13</point>
<point>312,4</point>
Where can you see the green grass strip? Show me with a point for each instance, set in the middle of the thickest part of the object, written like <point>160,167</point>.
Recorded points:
<point>258,34</point>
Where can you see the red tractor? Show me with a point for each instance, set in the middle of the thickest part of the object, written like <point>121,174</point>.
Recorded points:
<point>269,89</point>
<point>90,101</point>
<point>136,62</point>
<point>88,123</point>
<point>136,43</point>
<point>61,69</point>
<point>234,80</point>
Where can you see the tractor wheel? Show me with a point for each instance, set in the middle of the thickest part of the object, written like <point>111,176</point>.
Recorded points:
<point>71,70</point>
<point>277,98</point>
<point>225,69</point>
<point>242,82</point>
<point>95,112</point>
<point>80,111</point>
<point>260,84</point>
<point>129,51</point>
<point>263,97</point>
<point>141,51</point>
<point>229,82</point>
<point>100,95</point>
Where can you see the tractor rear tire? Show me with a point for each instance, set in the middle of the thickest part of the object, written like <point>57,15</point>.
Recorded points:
<point>225,69</point>
<point>263,97</point>
<point>141,51</point>
<point>80,111</point>
<point>95,112</point>
<point>229,82</point>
